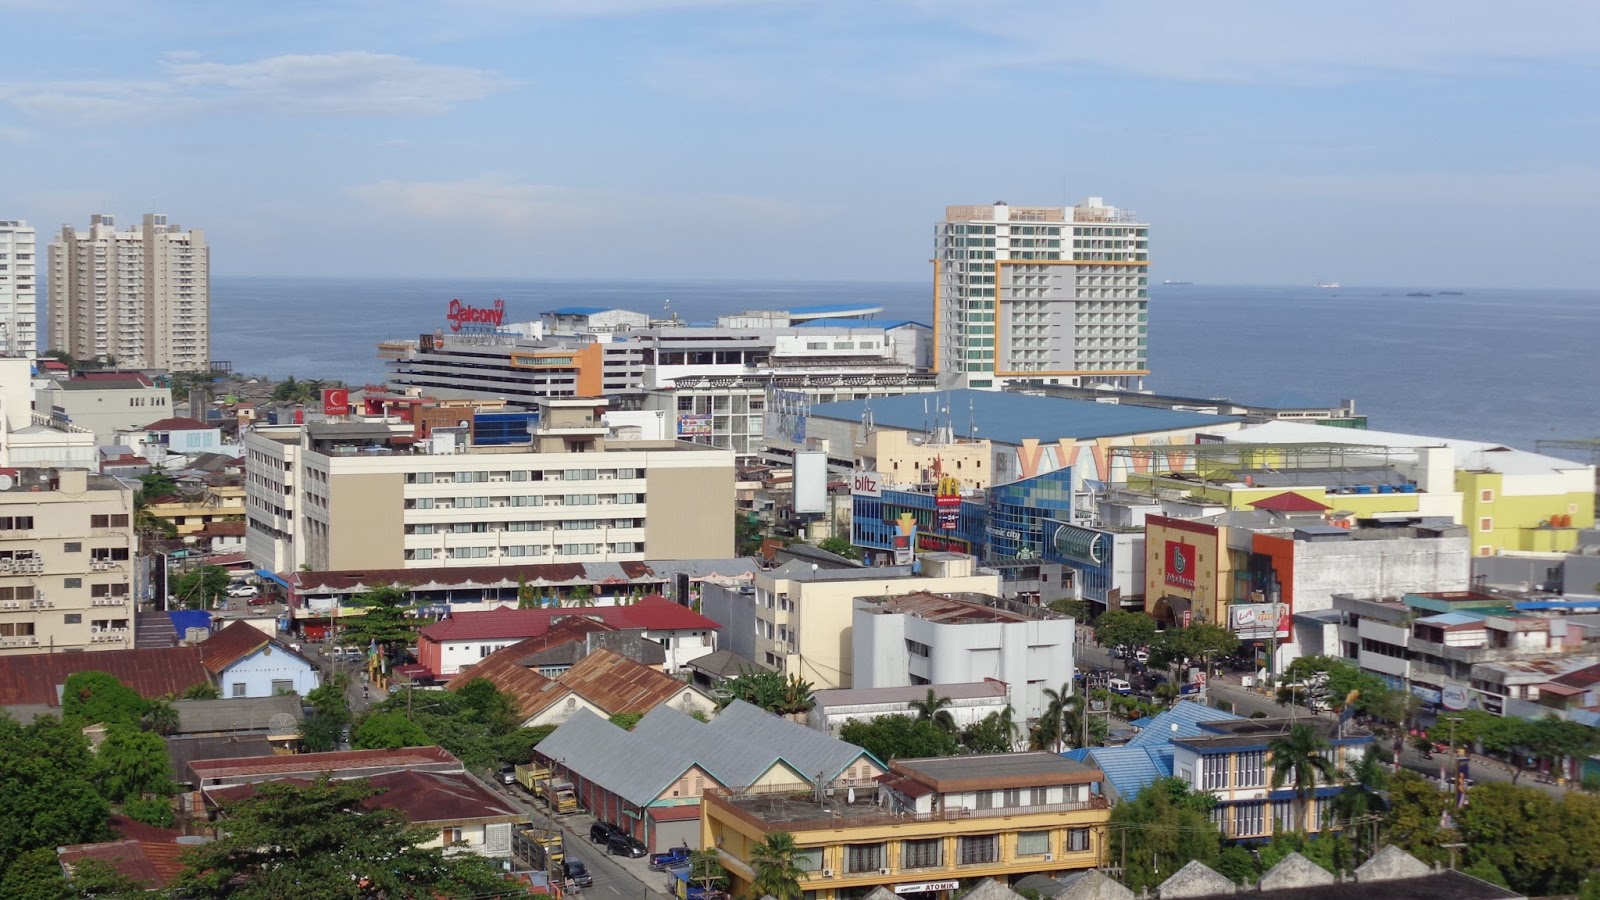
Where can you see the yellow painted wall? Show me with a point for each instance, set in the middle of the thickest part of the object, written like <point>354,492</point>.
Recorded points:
<point>1514,519</point>
<point>1213,576</point>
<point>900,461</point>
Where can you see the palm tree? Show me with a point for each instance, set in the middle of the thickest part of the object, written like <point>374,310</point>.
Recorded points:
<point>1007,719</point>
<point>1366,782</point>
<point>160,717</point>
<point>1062,716</point>
<point>932,709</point>
<point>1298,757</point>
<point>777,875</point>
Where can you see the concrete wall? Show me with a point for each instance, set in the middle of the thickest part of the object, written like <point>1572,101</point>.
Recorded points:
<point>693,510</point>
<point>370,515</point>
<point>1381,568</point>
<point>1027,656</point>
<point>260,669</point>
<point>964,711</point>
<point>735,610</point>
<point>109,411</point>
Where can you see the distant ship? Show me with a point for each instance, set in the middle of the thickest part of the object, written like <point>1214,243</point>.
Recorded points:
<point>1327,284</point>
<point>1419,294</point>
<point>1170,281</point>
<point>1451,293</point>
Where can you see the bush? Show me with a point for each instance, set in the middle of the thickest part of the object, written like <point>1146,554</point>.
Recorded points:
<point>151,811</point>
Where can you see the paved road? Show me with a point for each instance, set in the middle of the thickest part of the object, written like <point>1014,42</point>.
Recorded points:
<point>614,878</point>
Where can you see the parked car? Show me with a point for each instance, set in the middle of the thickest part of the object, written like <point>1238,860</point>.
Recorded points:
<point>673,858</point>
<point>576,872</point>
<point>623,845</point>
<point>243,590</point>
<point>603,832</point>
<point>506,775</point>
<point>1142,655</point>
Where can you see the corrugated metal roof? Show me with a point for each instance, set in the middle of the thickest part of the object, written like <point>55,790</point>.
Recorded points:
<point>1131,769</point>
<point>1186,715</point>
<point>612,758</point>
<point>973,690</point>
<point>234,714</point>
<point>1012,418</point>
<point>259,768</point>
<point>1446,620</point>
<point>503,669</point>
<point>35,678</point>
<point>617,684</point>
<point>811,752</point>
<point>732,761</point>
<point>231,644</point>
<point>154,864</point>
<point>654,613</point>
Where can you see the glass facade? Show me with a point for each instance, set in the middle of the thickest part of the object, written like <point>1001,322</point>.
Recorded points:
<point>1088,552</point>
<point>1013,521</point>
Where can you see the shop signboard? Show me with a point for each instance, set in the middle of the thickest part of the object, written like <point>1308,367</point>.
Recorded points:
<point>694,425</point>
<point>1258,621</point>
<point>866,484</point>
<point>1180,565</point>
<point>1453,696</point>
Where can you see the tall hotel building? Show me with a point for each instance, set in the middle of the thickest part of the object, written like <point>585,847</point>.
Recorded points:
<point>19,307</point>
<point>140,296</point>
<point>1040,293</point>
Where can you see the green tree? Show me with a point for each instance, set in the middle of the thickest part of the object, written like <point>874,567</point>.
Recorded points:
<point>386,620</point>
<point>1518,831</point>
<point>777,874</point>
<point>934,708</point>
<point>527,597</point>
<point>36,875</point>
<point>1061,723</point>
<point>92,697</point>
<point>746,534</point>
<point>1366,785</point>
<point>769,690</point>
<point>994,733</point>
<point>132,763</point>
<point>155,811</point>
<point>201,588</point>
<point>1340,681</point>
<point>323,729</point>
<point>899,737</point>
<point>1163,828</point>
<point>474,721</point>
<point>626,721</point>
<point>1299,758</point>
<point>1071,606</point>
<point>157,483</point>
<point>160,716</point>
<point>1126,631</point>
<point>840,546</point>
<point>1416,812</point>
<point>205,690</point>
<point>48,796</point>
<point>388,731</point>
<point>1200,642</point>
<point>322,840</point>
<point>581,595</point>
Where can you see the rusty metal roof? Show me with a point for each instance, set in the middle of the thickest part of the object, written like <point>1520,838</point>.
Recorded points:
<point>36,678</point>
<point>503,669</point>
<point>345,763</point>
<point>154,864</point>
<point>617,684</point>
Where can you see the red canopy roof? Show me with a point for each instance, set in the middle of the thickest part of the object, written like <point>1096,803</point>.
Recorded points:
<point>1289,501</point>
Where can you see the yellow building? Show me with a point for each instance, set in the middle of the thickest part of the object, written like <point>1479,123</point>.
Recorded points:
<point>928,826</point>
<point>189,516</point>
<point>906,458</point>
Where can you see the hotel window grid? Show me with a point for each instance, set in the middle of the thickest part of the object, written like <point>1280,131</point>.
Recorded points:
<point>978,850</point>
<point>1251,769</point>
<point>928,854</point>
<point>863,857</point>
<point>1213,773</point>
<point>1247,819</point>
<point>1033,843</point>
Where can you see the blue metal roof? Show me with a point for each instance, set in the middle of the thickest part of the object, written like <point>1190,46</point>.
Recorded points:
<point>1011,418</point>
<point>578,310</point>
<point>825,309</point>
<point>835,322</point>
<point>1181,721</point>
<point>1590,603</point>
<point>1448,619</point>
<point>1131,769</point>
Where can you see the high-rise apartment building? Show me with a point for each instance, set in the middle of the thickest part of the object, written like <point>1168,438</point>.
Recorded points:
<point>19,306</point>
<point>1040,293</point>
<point>140,296</point>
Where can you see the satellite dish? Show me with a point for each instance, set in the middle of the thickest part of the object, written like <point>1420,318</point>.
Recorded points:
<point>283,723</point>
<point>7,482</point>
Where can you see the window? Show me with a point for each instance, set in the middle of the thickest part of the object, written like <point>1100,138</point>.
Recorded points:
<point>1013,797</point>
<point>282,686</point>
<point>1033,843</point>
<point>419,478</point>
<point>1077,839</point>
<point>72,583</point>
<point>1247,819</point>
<point>1213,772</point>
<point>1251,769</point>
<point>916,648</point>
<point>419,503</point>
<point>452,835</point>
<point>984,800</point>
<point>1486,524</point>
<point>72,547</point>
<point>16,523</point>
<point>1283,817</point>
<point>928,854</point>
<point>863,857</point>
<point>238,689</point>
<point>1486,495</point>
<point>72,619</point>
<point>979,849</point>
<point>1038,796</point>
<point>807,859</point>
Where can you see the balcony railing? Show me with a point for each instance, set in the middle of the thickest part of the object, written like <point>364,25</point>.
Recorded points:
<point>861,813</point>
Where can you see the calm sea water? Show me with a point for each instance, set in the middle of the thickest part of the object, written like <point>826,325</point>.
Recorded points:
<point>1497,365</point>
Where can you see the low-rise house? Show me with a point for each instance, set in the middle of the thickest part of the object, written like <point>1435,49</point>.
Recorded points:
<point>247,663</point>
<point>711,670</point>
<point>926,827</point>
<point>649,781</point>
<point>155,865</point>
<point>603,682</point>
<point>969,702</point>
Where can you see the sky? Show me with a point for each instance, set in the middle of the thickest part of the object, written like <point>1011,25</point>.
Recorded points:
<point>1374,143</point>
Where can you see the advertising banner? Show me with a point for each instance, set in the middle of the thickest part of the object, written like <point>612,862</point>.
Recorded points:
<point>1454,696</point>
<point>1258,621</point>
<point>692,425</point>
<point>866,484</point>
<point>336,402</point>
<point>947,504</point>
<point>1180,563</point>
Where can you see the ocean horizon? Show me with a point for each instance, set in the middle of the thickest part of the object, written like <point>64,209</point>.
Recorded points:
<point>1507,366</point>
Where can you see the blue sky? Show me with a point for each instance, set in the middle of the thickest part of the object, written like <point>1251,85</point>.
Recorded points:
<point>1266,142</point>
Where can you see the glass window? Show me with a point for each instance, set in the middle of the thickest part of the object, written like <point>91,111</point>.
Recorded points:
<point>928,854</point>
<point>979,849</point>
<point>863,857</point>
<point>1033,843</point>
<point>1077,839</point>
<point>808,859</point>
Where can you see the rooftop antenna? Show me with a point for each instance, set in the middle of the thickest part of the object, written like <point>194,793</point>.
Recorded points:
<point>972,419</point>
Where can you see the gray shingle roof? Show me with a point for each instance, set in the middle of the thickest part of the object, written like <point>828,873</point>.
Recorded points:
<point>811,752</point>
<point>234,714</point>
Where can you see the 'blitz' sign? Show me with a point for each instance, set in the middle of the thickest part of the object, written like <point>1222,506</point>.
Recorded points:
<point>866,484</point>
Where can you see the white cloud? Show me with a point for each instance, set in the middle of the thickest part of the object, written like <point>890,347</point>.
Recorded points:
<point>11,135</point>
<point>349,83</point>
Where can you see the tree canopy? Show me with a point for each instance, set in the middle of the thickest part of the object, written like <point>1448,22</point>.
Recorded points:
<point>1124,630</point>
<point>48,795</point>
<point>388,731</point>
<point>386,622</point>
<point>900,737</point>
<point>131,764</point>
<point>769,690</point>
<point>321,840</point>
<point>476,723</point>
<point>98,697</point>
<point>1163,828</point>
<point>201,588</point>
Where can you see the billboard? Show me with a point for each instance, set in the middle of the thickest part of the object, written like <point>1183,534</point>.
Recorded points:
<point>1453,696</point>
<point>693,425</point>
<point>947,504</point>
<point>866,484</point>
<point>336,401</point>
<point>905,539</point>
<point>786,415</point>
<point>1180,565</point>
<point>1258,621</point>
<point>810,481</point>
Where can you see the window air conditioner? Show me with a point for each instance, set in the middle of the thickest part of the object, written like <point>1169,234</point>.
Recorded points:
<point>827,873</point>
<point>883,871</point>
<point>1049,857</point>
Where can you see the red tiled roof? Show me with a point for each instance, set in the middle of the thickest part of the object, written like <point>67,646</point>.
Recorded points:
<point>653,613</point>
<point>32,678</point>
<point>152,864</point>
<point>1581,678</point>
<point>231,644</point>
<point>224,529</point>
<point>177,423</point>
<point>459,576</point>
<point>316,763</point>
<point>55,365</point>
<point>1289,501</point>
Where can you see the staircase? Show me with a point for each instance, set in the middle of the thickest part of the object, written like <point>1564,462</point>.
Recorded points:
<point>153,629</point>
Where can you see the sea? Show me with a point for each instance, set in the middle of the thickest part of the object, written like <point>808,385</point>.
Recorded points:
<point>1507,366</point>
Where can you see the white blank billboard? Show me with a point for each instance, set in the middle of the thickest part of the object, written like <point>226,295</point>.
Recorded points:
<point>810,481</point>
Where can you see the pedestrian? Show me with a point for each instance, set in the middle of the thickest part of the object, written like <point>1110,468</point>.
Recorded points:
<point>365,694</point>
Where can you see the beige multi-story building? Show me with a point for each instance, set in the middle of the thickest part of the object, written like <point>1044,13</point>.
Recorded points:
<point>66,568</point>
<point>370,494</point>
<point>799,618</point>
<point>140,296</point>
<point>19,308</point>
<point>1040,293</point>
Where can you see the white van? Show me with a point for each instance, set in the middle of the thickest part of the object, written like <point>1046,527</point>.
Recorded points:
<point>1119,686</point>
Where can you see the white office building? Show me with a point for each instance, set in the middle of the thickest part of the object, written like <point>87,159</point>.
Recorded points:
<point>140,296</point>
<point>19,300</point>
<point>1032,293</point>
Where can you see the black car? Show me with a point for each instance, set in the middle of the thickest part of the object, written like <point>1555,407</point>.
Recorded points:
<point>603,832</point>
<point>575,872</point>
<point>623,845</point>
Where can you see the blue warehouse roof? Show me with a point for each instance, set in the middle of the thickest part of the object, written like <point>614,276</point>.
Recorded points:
<point>1181,721</point>
<point>1011,418</point>
<point>578,310</point>
<point>1131,769</point>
